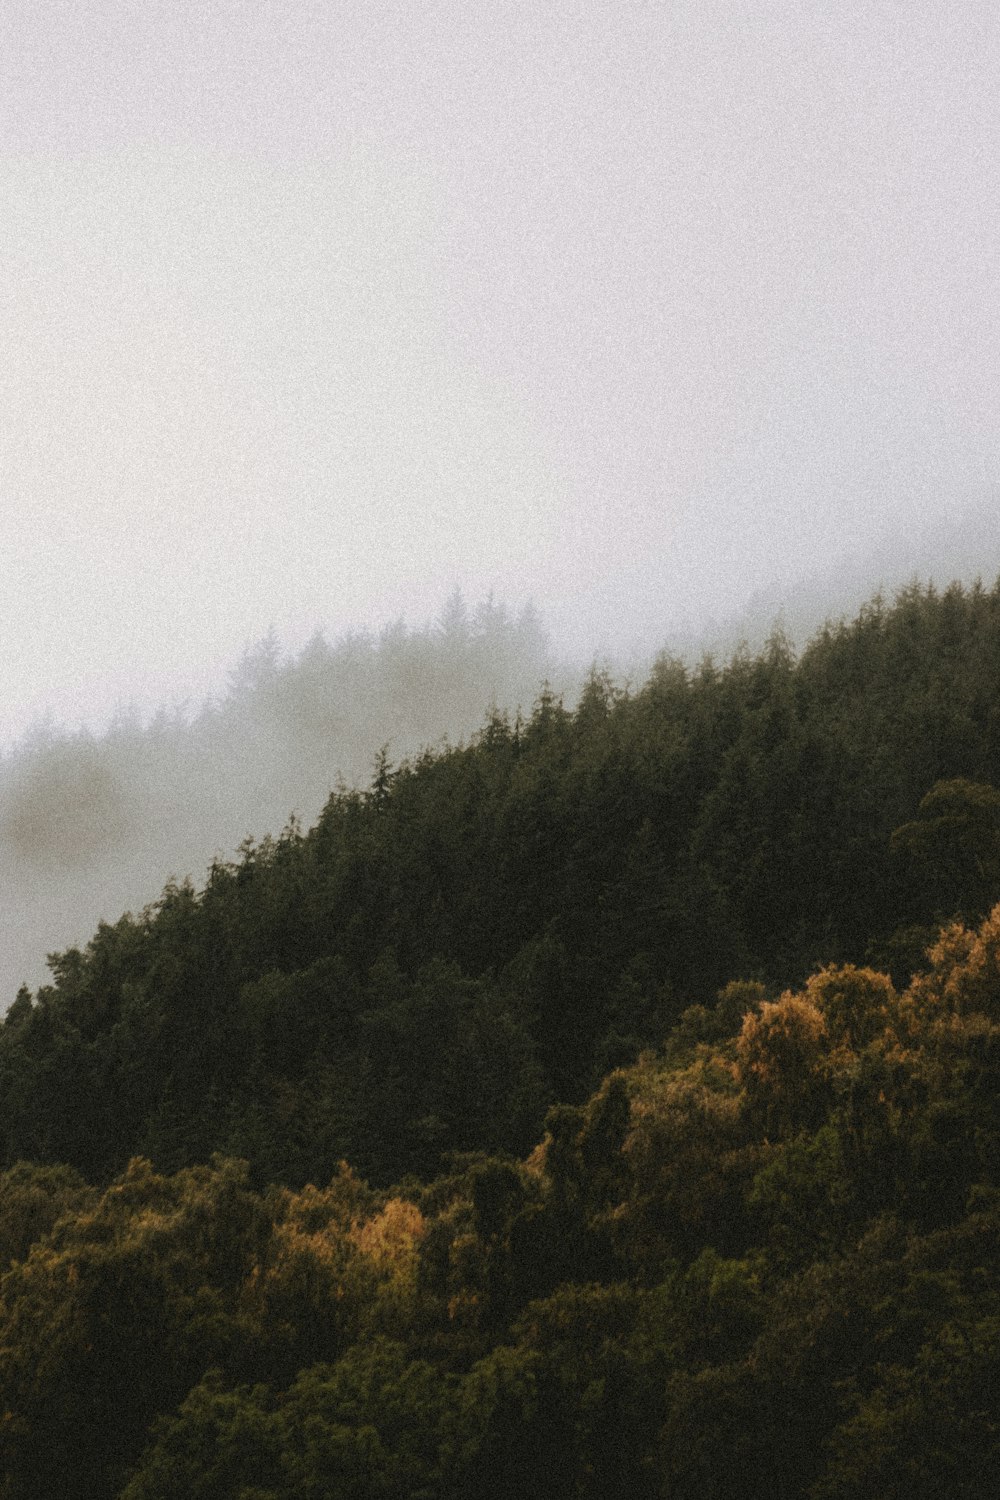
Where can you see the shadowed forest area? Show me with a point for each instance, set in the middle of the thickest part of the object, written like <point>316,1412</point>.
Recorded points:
<point>609,1104</point>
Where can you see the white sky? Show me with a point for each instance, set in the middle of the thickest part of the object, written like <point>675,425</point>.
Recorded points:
<point>311,311</point>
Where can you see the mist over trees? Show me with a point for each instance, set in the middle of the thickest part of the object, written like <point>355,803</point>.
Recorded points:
<point>91,824</point>
<point>958,548</point>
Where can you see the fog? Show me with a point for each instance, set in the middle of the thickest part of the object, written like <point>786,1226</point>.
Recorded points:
<point>672,318</point>
<point>963,547</point>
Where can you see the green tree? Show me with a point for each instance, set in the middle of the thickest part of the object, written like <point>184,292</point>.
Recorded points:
<point>948,857</point>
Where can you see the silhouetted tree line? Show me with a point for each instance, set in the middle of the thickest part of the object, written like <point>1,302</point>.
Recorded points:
<point>756,1250</point>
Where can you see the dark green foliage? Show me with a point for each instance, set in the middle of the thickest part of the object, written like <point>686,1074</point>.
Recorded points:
<point>371,1427</point>
<point>949,855</point>
<point>32,1199</point>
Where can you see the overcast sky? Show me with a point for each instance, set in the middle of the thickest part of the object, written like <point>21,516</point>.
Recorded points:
<point>312,311</point>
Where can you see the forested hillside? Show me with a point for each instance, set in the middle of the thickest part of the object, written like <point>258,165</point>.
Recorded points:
<point>607,1105</point>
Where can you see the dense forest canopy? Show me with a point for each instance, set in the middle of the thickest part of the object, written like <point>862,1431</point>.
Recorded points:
<point>608,1103</point>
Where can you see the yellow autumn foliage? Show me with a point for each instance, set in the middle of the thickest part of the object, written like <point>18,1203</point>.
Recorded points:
<point>857,1005</point>
<point>964,976</point>
<point>390,1239</point>
<point>781,1058</point>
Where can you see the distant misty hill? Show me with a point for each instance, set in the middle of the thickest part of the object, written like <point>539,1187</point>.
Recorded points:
<point>92,825</point>
<point>960,549</point>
